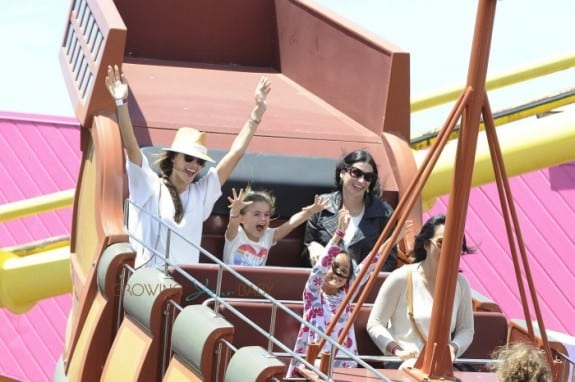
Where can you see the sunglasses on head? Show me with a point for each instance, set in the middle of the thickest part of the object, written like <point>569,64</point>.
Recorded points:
<point>335,270</point>
<point>357,173</point>
<point>190,158</point>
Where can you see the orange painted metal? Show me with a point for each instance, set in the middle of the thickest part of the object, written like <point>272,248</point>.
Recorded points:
<point>434,361</point>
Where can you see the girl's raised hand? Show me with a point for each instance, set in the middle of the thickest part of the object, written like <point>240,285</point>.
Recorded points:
<point>116,83</point>
<point>236,202</point>
<point>319,204</point>
<point>405,229</point>
<point>343,219</point>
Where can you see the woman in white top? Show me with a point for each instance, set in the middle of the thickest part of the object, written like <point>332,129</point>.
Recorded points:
<point>389,324</point>
<point>178,198</point>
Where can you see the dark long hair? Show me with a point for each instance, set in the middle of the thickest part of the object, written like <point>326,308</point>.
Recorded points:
<point>351,265</point>
<point>426,233</point>
<point>349,160</point>
<point>166,165</point>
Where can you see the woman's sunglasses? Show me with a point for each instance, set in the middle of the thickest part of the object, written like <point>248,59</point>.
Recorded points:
<point>438,242</point>
<point>357,173</point>
<point>190,158</point>
<point>335,270</point>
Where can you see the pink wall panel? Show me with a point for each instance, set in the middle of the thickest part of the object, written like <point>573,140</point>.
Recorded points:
<point>545,205</point>
<point>40,155</point>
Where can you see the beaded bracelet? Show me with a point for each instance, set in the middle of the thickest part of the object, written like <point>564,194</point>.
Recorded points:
<point>339,233</point>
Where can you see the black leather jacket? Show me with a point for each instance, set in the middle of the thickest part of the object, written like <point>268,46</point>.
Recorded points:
<point>321,227</point>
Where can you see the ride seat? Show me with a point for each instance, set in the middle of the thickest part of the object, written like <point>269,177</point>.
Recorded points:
<point>137,353</point>
<point>254,364</point>
<point>102,321</point>
<point>490,333</point>
<point>282,283</point>
<point>197,337</point>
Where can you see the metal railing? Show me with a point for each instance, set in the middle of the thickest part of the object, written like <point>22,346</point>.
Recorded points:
<point>220,301</point>
<point>567,372</point>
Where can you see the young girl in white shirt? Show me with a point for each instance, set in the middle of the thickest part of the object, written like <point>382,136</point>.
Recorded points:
<point>248,237</point>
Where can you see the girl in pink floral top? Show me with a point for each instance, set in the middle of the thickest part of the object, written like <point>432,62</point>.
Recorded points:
<point>324,292</point>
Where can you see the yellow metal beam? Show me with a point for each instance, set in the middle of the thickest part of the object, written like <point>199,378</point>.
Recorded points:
<point>504,117</point>
<point>26,280</point>
<point>496,82</point>
<point>39,246</point>
<point>544,143</point>
<point>37,205</point>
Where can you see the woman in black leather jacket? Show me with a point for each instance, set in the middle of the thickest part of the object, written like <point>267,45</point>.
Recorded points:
<point>357,190</point>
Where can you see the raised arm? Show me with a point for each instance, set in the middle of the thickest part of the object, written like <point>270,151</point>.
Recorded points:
<point>118,88</point>
<point>227,164</point>
<point>297,219</point>
<point>236,205</point>
<point>321,267</point>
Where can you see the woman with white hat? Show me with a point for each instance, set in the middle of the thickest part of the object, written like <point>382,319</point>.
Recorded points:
<point>177,198</point>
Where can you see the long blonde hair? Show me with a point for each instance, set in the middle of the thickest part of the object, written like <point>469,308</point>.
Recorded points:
<point>251,195</point>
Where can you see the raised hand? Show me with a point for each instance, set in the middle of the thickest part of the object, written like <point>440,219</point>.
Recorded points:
<point>319,204</point>
<point>236,202</point>
<point>343,219</point>
<point>116,83</point>
<point>262,90</point>
<point>405,229</point>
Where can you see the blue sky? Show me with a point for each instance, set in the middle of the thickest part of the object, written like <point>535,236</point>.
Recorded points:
<point>437,34</point>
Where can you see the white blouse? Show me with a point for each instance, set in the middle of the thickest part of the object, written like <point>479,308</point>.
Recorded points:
<point>148,191</point>
<point>389,320</point>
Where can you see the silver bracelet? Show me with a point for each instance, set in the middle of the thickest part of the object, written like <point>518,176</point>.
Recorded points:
<point>120,102</point>
<point>253,122</point>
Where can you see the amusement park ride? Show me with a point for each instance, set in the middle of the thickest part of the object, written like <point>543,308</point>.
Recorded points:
<point>334,90</point>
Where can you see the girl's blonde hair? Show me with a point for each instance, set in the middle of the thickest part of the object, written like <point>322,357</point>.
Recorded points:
<point>521,362</point>
<point>251,195</point>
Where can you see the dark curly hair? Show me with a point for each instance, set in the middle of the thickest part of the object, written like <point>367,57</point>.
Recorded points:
<point>352,265</point>
<point>355,157</point>
<point>426,233</point>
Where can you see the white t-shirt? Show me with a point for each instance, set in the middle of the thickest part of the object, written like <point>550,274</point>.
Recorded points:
<point>148,191</point>
<point>352,229</point>
<point>243,251</point>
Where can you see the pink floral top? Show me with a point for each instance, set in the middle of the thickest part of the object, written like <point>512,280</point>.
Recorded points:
<point>319,309</point>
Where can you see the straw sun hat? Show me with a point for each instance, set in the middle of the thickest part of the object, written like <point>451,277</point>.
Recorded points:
<point>191,142</point>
